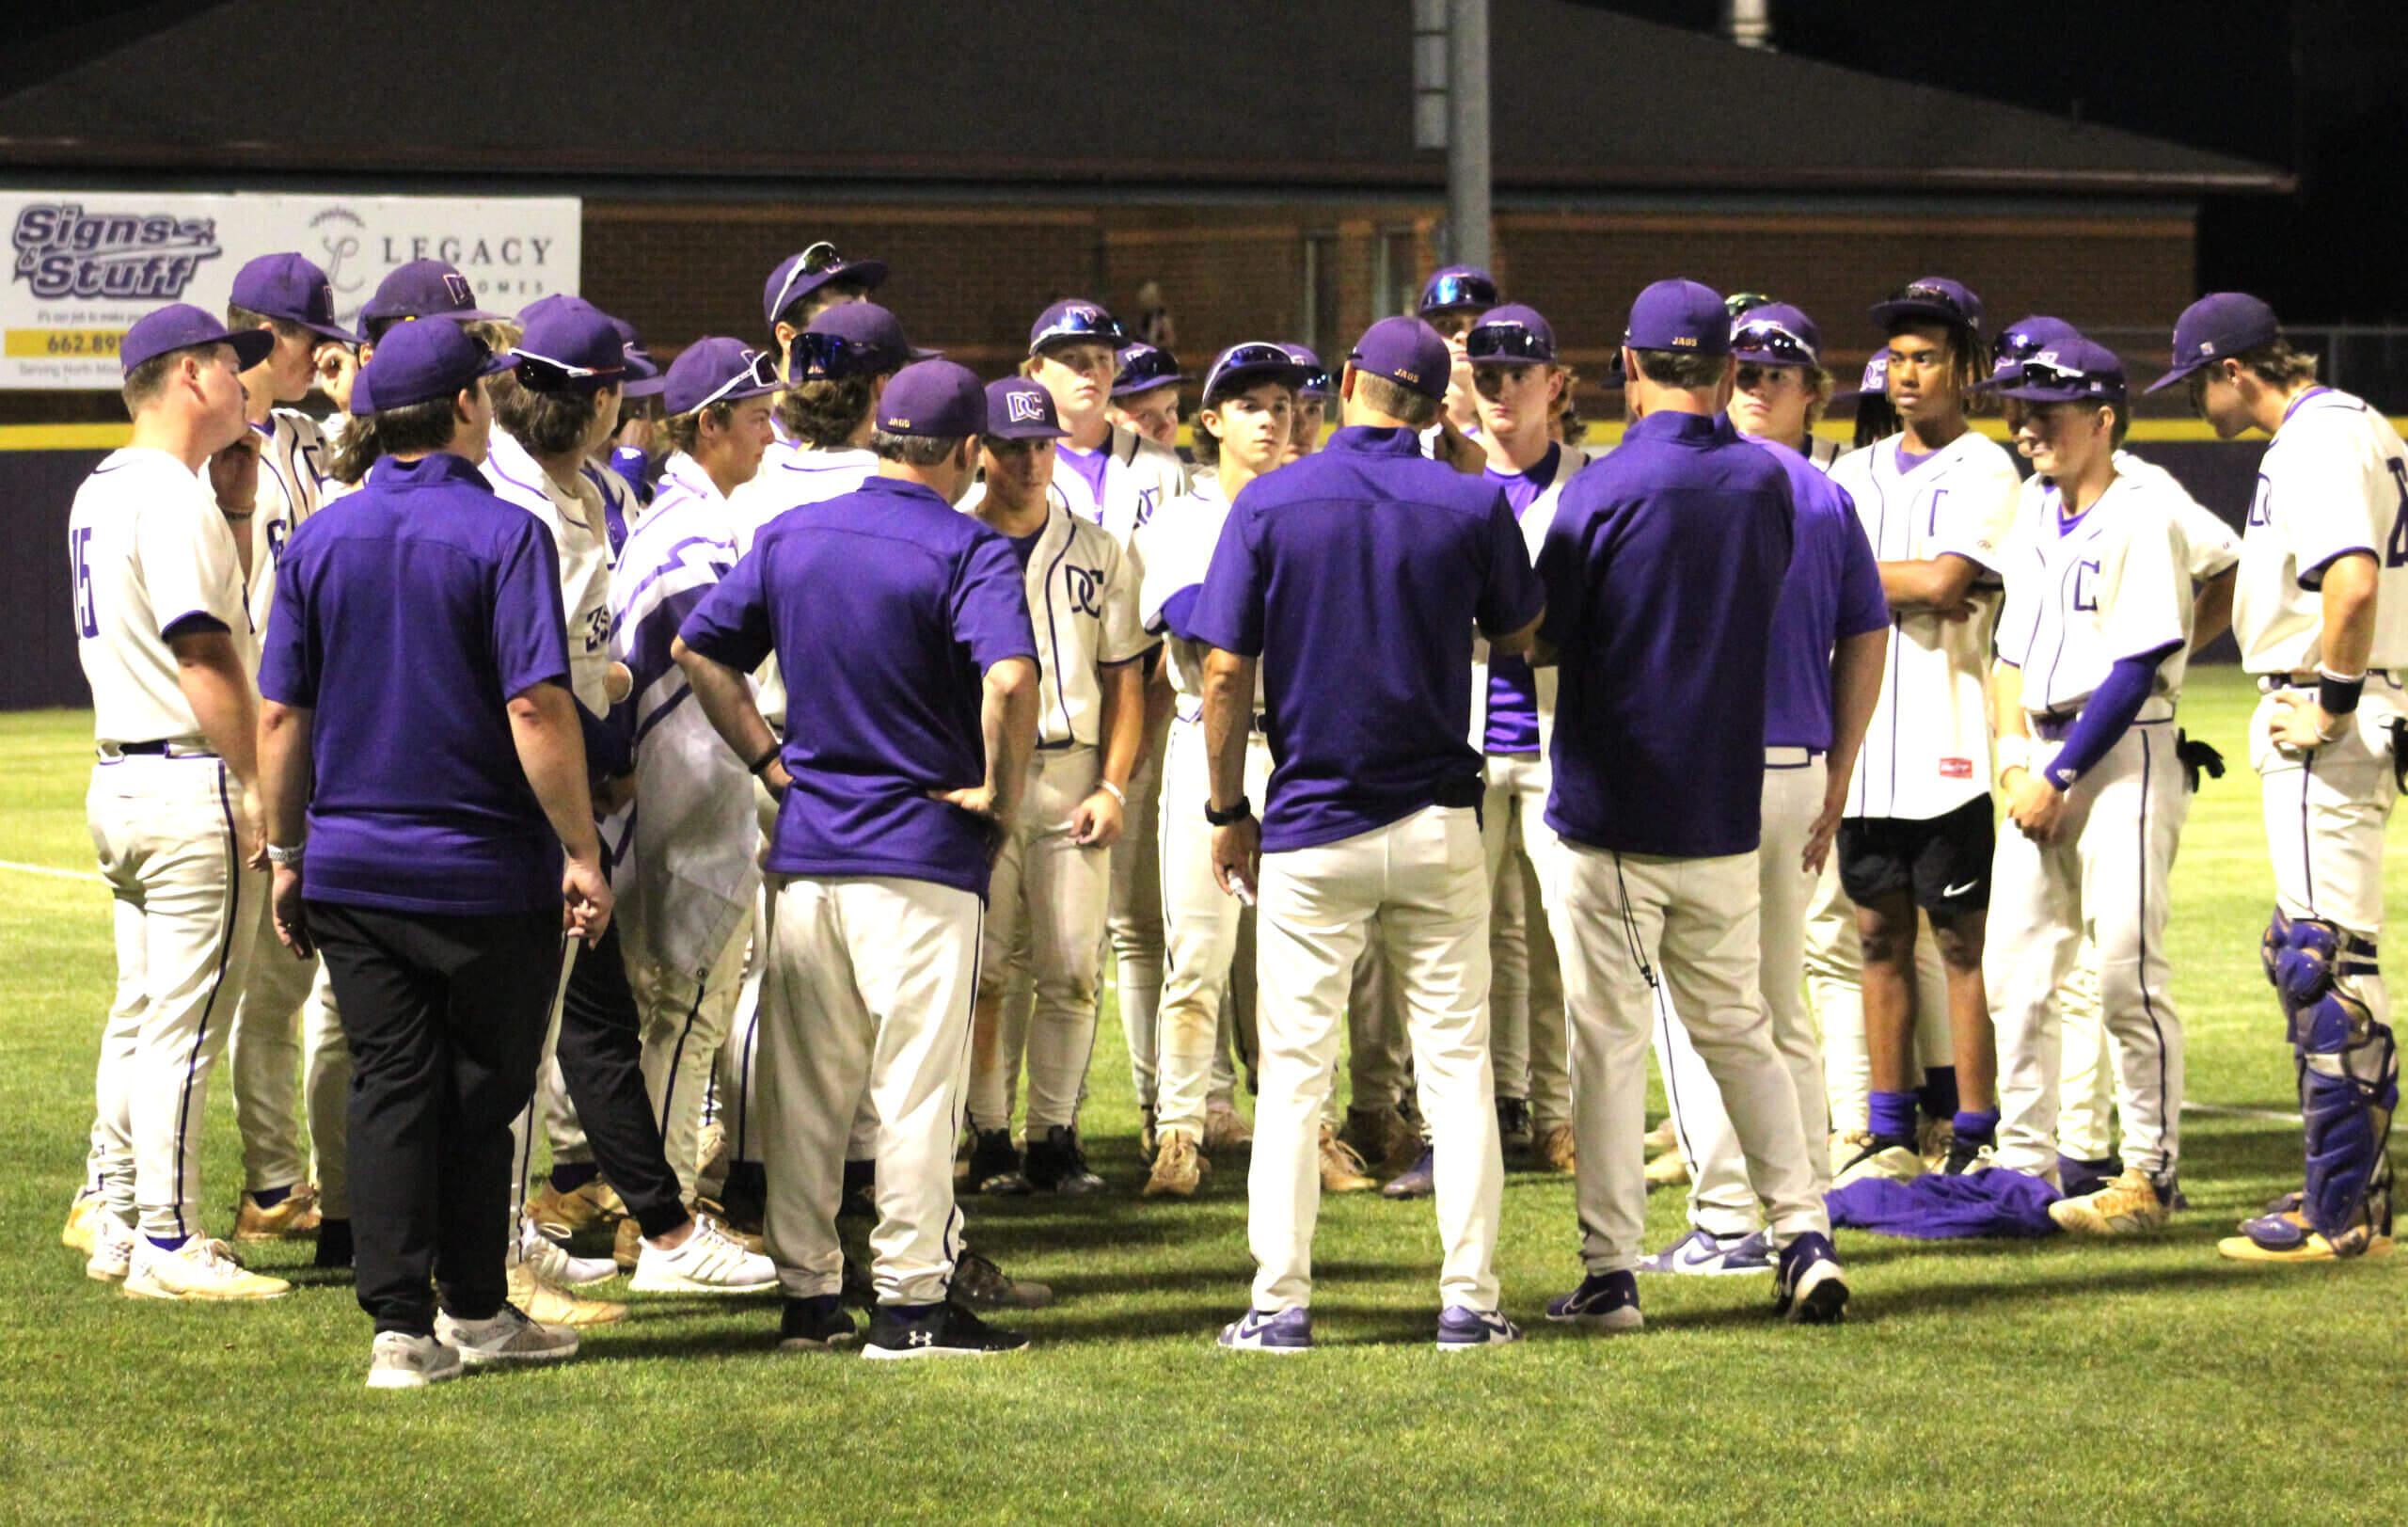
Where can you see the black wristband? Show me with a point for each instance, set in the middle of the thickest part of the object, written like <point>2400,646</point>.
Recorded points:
<point>1237,813</point>
<point>2338,695</point>
<point>768,758</point>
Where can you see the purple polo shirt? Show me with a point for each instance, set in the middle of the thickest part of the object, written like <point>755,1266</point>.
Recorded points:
<point>1834,591</point>
<point>885,607</point>
<point>407,615</point>
<point>1357,575</point>
<point>1662,566</point>
<point>1512,688</point>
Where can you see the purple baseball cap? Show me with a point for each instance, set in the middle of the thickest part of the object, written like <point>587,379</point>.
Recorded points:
<point>421,363</point>
<point>2218,325</point>
<point>567,344</point>
<point>2074,371</point>
<point>1512,335</point>
<point>2029,335</point>
<point>717,370</point>
<point>1314,377</point>
<point>645,375</point>
<point>1776,334</point>
<point>425,289</point>
<point>1248,363</point>
<point>855,338</point>
<point>1686,317</point>
<point>1405,351</point>
<point>1457,289</point>
<point>1144,368</point>
<point>798,275</point>
<point>1930,297</point>
<point>1075,321</point>
<point>292,288</point>
<point>1876,381</point>
<point>937,398</point>
<point>1019,410</point>
<point>181,325</point>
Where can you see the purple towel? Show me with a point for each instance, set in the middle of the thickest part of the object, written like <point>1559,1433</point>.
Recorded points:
<point>1938,1208</point>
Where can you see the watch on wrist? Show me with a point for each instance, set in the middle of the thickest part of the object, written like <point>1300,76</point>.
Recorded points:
<point>1237,813</point>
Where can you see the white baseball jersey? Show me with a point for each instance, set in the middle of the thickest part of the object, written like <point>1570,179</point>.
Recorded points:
<point>1173,549</point>
<point>2083,595</point>
<point>791,476</point>
<point>1139,476</point>
<point>2214,546</point>
<point>148,549</point>
<point>574,515</point>
<point>1927,751</point>
<point>1083,603</point>
<point>2334,480</point>
<point>292,484</point>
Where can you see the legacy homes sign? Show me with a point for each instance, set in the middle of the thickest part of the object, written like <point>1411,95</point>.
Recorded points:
<point>84,265</point>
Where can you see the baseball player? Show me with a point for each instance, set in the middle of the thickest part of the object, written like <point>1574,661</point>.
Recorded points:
<point>1663,567</point>
<point>1936,499</point>
<point>903,629</point>
<point>164,633</point>
<point>2320,613</point>
<point>1241,433</point>
<point>2090,658</point>
<point>1451,301</point>
<point>286,1020</point>
<point>1051,878</point>
<point>807,283</point>
<point>1828,632</point>
<point>419,289</point>
<point>1145,394</point>
<point>1518,383</point>
<point>1313,395</point>
<point>1355,581</point>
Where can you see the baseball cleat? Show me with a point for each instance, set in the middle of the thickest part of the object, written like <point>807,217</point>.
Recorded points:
<point>293,1218</point>
<point>2127,1205</point>
<point>935,1330</point>
<point>1178,1167</point>
<point>626,1246</point>
<point>199,1270</point>
<point>1224,1129</point>
<point>1845,1145</point>
<point>1058,1163</point>
<point>1418,1181</point>
<point>1807,1288</point>
<point>1606,1301</point>
<point>1966,1156</point>
<point>707,1261</point>
<point>2284,1236</point>
<point>1663,1137</point>
<point>980,1284</point>
<point>2293,1205</point>
<point>550,1304</point>
<point>1558,1149</point>
<point>112,1255</point>
<point>816,1324</point>
<point>1462,1329</point>
<point>1281,1332</point>
<point>76,1234</point>
<point>1668,1170</point>
<point>1890,1160</point>
<point>1934,1139</point>
<point>995,1165</point>
<point>1341,1167</point>
<point>1699,1254</point>
<point>1513,1134</point>
<point>401,1361</point>
<point>553,1263</point>
<point>711,1158</point>
<point>562,1215</point>
<point>506,1336</point>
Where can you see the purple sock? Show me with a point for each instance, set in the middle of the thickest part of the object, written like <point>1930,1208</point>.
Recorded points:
<point>1893,1115</point>
<point>568,1176</point>
<point>167,1243</point>
<point>268,1198</point>
<point>1938,1094</point>
<point>1978,1125</point>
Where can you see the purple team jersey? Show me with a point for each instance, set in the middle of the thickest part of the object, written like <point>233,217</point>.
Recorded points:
<point>885,607</point>
<point>1356,575</point>
<point>407,615</point>
<point>1833,590</point>
<point>1512,688</point>
<point>1662,566</point>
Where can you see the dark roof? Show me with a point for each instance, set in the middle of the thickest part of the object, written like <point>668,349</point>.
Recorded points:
<point>1300,93</point>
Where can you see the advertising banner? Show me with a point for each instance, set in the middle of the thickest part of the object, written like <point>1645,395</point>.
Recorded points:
<point>86,264</point>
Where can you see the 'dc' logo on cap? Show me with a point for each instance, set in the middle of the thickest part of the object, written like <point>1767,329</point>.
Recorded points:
<point>1023,407</point>
<point>458,288</point>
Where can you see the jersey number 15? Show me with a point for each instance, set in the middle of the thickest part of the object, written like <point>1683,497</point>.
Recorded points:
<point>88,613</point>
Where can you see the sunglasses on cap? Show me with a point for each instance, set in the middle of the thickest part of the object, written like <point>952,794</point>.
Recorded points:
<point>1766,338</point>
<point>2048,373</point>
<point>1250,357</point>
<point>816,261</point>
<point>1313,379</point>
<point>542,374</point>
<point>832,356</point>
<point>1507,341</point>
<point>1459,289</point>
<point>760,370</point>
<point>1083,324</point>
<point>2016,344</point>
<point>1740,302</point>
<point>1926,294</point>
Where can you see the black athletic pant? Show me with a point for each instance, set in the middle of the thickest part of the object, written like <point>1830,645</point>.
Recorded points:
<point>445,1017</point>
<point>601,1056</point>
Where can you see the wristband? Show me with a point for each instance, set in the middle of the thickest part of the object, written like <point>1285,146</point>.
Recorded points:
<point>278,854</point>
<point>1111,789</point>
<point>2337,695</point>
<point>768,758</point>
<point>2014,752</point>
<point>1237,813</point>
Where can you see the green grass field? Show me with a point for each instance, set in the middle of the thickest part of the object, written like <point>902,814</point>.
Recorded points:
<point>2040,1383</point>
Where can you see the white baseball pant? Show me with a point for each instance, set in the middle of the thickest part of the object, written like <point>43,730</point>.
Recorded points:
<point>1424,878</point>
<point>1134,917</point>
<point>185,913</point>
<point>2107,871</point>
<point>684,1024</point>
<point>1200,927</point>
<point>287,1031</point>
<point>869,989</point>
<point>1629,921</point>
<point>1525,986</point>
<point>2325,814</point>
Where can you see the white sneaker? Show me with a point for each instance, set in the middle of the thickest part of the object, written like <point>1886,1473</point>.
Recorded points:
<point>198,1269</point>
<point>709,1260</point>
<point>505,1336</point>
<point>112,1249</point>
<point>553,1263</point>
<point>401,1361</point>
